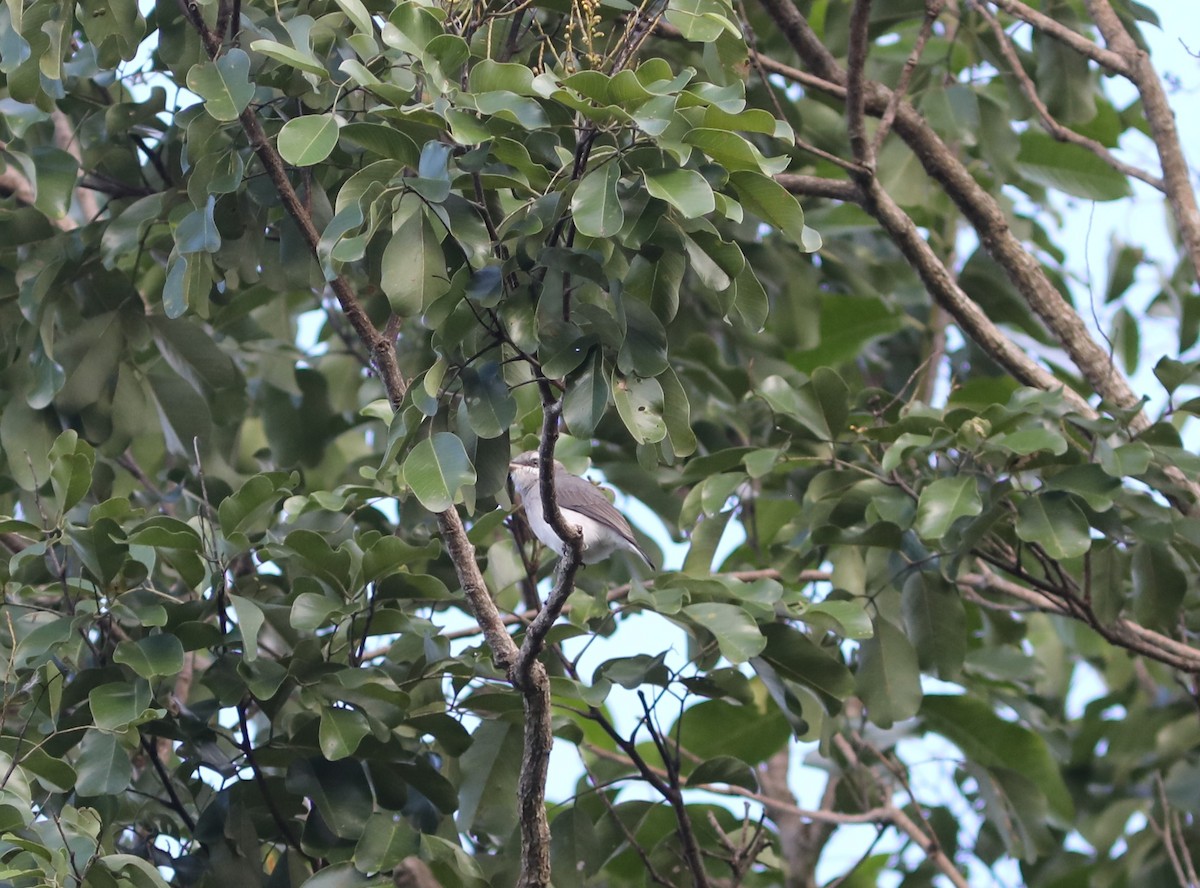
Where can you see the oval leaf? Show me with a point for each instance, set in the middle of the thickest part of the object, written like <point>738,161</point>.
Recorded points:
<point>595,205</point>
<point>437,469</point>
<point>306,140</point>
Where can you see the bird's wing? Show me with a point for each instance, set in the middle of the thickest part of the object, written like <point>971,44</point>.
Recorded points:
<point>570,488</point>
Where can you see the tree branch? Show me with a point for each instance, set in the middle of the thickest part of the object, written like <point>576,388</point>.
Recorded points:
<point>1112,61</point>
<point>1180,194</point>
<point>1121,632</point>
<point>978,206</point>
<point>535,830</point>
<point>967,314</point>
<point>1053,127</point>
<point>933,8</point>
<point>856,63</point>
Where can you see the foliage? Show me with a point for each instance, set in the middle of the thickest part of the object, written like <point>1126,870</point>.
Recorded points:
<point>262,351</point>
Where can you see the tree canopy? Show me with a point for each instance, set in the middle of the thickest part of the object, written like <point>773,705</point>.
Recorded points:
<point>284,285</point>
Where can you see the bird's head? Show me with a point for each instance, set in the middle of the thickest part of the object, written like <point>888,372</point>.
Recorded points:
<point>525,469</point>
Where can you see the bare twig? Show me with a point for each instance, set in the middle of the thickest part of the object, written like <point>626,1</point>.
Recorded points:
<point>933,8</point>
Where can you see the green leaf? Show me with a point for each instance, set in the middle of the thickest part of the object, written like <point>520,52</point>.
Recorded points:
<point>189,281</point>
<point>489,404</point>
<point>702,21</point>
<point>57,172</point>
<point>796,657</point>
<point>341,731</point>
<point>716,728</point>
<point>774,204</point>
<point>151,656</point>
<point>1072,169</point>
<point>724,769</point>
<point>339,791</point>
<point>735,153</point>
<point>117,704</point>
<point>988,740</point>
<point>72,461</point>
<point>103,766</point>
<point>685,190</point>
<point>358,15</point>
<point>1159,585</point>
<point>586,397</point>
<point>383,140</point>
<point>386,840</point>
<point>308,140</point>
<point>250,620</point>
<point>849,618</point>
<point>736,632</point>
<point>677,414</point>
<point>639,403</point>
<point>656,281</point>
<point>197,231</point>
<point>251,508</point>
<point>1053,521</point>
<point>944,501</point>
<point>488,788</point>
<point>288,55</point>
<point>936,621</point>
<point>821,407</point>
<point>1031,440</point>
<point>224,85</point>
<point>437,469</point>
<point>595,206</point>
<point>888,678</point>
<point>413,274</point>
<point>1127,460</point>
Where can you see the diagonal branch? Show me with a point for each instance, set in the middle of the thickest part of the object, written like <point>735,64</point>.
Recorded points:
<point>1180,194</point>
<point>933,9</point>
<point>977,205</point>
<point>1052,126</point>
<point>1113,61</point>
<point>1121,632</point>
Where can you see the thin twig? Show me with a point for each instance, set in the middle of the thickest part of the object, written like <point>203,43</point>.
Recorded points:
<point>933,8</point>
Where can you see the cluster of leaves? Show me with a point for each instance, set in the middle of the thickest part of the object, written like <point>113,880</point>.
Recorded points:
<point>225,618</point>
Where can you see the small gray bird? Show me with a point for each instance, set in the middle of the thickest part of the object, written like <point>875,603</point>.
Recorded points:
<point>582,503</point>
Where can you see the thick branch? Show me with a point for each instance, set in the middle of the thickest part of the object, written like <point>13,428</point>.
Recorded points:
<point>966,313</point>
<point>528,673</point>
<point>819,186</point>
<point>572,537</point>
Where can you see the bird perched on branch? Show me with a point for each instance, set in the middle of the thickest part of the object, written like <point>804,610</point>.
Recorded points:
<point>582,504</point>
